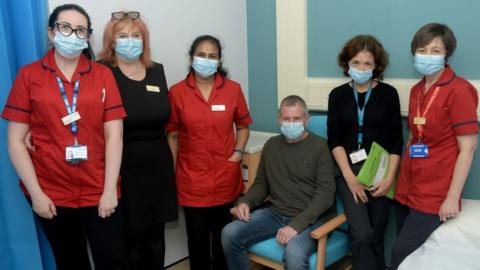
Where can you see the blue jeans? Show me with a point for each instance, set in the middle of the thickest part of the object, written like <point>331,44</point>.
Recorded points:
<point>264,224</point>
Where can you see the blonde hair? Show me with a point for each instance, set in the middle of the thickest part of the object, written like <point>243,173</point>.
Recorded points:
<point>114,26</point>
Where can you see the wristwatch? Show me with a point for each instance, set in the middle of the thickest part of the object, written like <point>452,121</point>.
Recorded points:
<point>239,151</point>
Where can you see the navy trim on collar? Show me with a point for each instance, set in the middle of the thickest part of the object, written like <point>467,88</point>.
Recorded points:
<point>449,81</point>
<point>187,79</point>
<point>45,65</point>
<point>89,68</point>
<point>52,69</point>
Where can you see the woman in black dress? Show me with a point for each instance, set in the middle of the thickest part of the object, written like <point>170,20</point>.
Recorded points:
<point>148,182</point>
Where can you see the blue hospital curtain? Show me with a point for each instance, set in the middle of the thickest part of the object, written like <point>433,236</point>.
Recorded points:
<point>23,39</point>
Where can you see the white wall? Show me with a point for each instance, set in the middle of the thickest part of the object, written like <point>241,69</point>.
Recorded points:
<point>173,25</point>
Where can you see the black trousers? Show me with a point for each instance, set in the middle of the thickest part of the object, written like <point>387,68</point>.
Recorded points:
<point>368,223</point>
<point>69,231</point>
<point>147,249</point>
<point>204,228</point>
<point>413,229</point>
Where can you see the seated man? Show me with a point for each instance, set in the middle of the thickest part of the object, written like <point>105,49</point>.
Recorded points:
<point>296,171</point>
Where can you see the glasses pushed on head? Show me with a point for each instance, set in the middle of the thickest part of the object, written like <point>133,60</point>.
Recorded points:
<point>120,15</point>
<point>66,29</point>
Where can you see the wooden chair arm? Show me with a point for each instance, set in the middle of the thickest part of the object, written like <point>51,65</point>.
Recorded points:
<point>328,227</point>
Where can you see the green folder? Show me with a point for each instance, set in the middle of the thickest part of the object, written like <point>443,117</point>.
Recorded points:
<point>375,168</point>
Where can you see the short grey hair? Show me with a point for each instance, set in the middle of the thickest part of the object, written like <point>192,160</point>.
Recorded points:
<point>293,100</point>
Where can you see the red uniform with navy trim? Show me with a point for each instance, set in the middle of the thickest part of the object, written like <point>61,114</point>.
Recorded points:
<point>206,138</point>
<point>424,182</point>
<point>35,99</point>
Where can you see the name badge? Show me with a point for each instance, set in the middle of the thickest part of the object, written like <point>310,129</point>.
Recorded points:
<point>358,156</point>
<point>67,120</point>
<point>419,150</point>
<point>76,153</point>
<point>218,108</point>
<point>419,120</point>
<point>153,88</point>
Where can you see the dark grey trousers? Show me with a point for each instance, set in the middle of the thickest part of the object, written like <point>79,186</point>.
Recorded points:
<point>413,229</point>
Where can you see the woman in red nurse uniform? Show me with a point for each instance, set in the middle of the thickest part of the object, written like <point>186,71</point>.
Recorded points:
<point>443,127</point>
<point>75,114</point>
<point>207,132</point>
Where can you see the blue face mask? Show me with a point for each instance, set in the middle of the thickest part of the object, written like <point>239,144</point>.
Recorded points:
<point>360,76</point>
<point>429,64</point>
<point>69,47</point>
<point>129,49</point>
<point>204,67</point>
<point>292,130</point>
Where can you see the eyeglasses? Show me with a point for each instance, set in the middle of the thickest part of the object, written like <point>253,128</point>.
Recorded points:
<point>66,30</point>
<point>120,15</point>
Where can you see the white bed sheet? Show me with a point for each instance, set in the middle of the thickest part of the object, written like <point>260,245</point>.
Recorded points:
<point>455,245</point>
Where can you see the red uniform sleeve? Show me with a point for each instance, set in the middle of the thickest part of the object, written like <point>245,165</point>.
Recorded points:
<point>242,116</point>
<point>19,107</point>
<point>174,120</point>
<point>112,104</point>
<point>463,110</point>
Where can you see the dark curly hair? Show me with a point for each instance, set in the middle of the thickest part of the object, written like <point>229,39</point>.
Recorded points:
<point>364,43</point>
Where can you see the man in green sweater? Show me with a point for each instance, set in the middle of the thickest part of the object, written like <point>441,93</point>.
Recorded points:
<point>296,174</point>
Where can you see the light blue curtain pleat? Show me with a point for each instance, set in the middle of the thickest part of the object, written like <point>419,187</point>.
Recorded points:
<point>23,39</point>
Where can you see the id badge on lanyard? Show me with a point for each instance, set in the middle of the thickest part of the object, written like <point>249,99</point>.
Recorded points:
<point>360,154</point>
<point>419,149</point>
<point>76,152</point>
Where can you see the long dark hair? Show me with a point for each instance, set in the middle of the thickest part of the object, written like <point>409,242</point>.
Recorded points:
<point>88,52</point>
<point>220,69</point>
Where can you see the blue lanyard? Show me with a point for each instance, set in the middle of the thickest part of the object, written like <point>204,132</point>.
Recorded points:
<point>361,112</point>
<point>70,110</point>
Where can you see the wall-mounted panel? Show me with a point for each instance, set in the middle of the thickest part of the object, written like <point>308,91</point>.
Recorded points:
<point>331,23</point>
<point>293,58</point>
